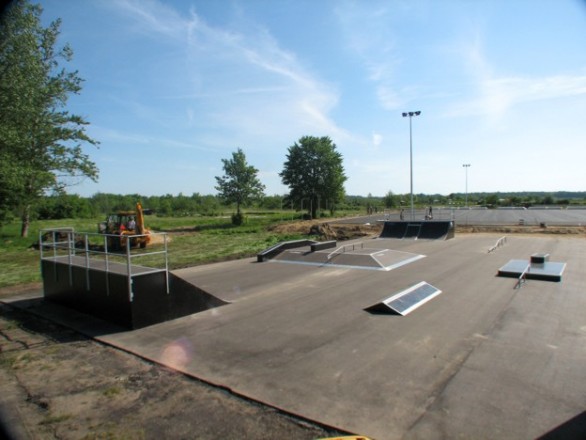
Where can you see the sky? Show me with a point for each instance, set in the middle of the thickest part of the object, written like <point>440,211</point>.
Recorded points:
<point>173,87</point>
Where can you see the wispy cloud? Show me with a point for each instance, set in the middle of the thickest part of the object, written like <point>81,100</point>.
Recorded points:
<point>376,47</point>
<point>495,95</point>
<point>151,17</point>
<point>239,72</point>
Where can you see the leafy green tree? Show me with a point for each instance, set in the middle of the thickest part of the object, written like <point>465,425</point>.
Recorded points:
<point>314,173</point>
<point>390,200</point>
<point>240,184</point>
<point>40,141</point>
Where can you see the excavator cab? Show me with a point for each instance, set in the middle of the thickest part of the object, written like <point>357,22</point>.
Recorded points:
<point>127,226</point>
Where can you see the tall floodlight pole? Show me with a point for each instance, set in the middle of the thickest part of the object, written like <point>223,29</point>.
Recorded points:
<point>411,114</point>
<point>466,166</point>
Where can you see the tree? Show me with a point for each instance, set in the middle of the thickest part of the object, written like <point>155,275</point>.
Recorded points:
<point>390,200</point>
<point>40,141</point>
<point>240,183</point>
<point>314,173</point>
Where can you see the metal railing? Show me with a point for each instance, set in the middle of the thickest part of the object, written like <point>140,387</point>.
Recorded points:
<point>522,278</point>
<point>500,242</point>
<point>85,248</point>
<point>344,248</point>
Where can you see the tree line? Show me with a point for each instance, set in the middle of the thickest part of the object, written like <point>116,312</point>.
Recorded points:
<point>64,206</point>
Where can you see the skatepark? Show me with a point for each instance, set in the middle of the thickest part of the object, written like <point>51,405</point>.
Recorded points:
<point>485,357</point>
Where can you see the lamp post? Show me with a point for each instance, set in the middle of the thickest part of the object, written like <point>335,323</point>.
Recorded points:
<point>466,166</point>
<point>411,114</point>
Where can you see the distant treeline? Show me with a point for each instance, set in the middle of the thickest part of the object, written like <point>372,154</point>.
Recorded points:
<point>74,206</point>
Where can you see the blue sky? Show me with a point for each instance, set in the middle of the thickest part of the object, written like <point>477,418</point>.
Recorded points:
<point>173,87</point>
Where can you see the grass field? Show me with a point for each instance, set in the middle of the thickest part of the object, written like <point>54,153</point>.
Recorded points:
<point>193,241</point>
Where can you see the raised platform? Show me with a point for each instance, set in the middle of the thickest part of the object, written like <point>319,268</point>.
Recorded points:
<point>351,256</point>
<point>134,299</point>
<point>546,270</point>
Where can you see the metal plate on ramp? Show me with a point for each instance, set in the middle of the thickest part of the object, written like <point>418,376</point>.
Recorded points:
<point>407,300</point>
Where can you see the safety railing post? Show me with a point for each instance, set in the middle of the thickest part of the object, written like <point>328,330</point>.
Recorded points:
<point>87,262</point>
<point>128,269</point>
<point>166,264</point>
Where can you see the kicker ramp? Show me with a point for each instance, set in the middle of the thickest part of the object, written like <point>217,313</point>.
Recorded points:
<point>428,230</point>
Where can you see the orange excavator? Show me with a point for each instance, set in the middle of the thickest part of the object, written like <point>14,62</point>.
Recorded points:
<point>124,227</point>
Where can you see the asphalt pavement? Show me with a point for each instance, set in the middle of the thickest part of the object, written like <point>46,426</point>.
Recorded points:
<point>480,360</point>
<point>474,216</point>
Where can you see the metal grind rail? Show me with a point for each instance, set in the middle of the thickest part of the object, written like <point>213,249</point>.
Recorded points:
<point>80,249</point>
<point>500,242</point>
<point>522,278</point>
<point>345,247</point>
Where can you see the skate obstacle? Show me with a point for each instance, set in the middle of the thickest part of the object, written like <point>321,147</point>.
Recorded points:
<point>538,267</point>
<point>405,301</point>
<point>110,286</point>
<point>424,229</point>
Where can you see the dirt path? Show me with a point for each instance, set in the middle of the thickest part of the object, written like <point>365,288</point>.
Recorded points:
<point>57,384</point>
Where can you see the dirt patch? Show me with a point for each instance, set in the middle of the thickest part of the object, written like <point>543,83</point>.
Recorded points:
<point>331,230</point>
<point>56,383</point>
<point>328,230</point>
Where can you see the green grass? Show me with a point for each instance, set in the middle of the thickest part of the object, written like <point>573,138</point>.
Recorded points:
<point>193,241</point>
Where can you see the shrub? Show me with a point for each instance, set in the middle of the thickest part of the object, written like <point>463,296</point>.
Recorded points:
<point>238,219</point>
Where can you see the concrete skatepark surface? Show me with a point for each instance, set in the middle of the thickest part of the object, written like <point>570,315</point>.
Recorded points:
<point>481,360</point>
<point>463,217</point>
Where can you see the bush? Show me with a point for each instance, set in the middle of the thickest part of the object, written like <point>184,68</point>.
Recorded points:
<point>238,219</point>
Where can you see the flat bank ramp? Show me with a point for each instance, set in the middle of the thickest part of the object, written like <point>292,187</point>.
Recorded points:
<point>427,230</point>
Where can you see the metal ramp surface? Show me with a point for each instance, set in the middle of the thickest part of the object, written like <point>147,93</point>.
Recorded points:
<point>407,300</point>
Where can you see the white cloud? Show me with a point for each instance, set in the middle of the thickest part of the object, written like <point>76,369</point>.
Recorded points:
<point>496,96</point>
<point>152,17</point>
<point>247,81</point>
<point>376,48</point>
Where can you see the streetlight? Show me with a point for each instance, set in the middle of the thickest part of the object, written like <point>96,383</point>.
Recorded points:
<point>411,114</point>
<point>466,166</point>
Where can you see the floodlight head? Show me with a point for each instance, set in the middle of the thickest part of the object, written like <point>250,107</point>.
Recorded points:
<point>417,113</point>
<point>405,115</point>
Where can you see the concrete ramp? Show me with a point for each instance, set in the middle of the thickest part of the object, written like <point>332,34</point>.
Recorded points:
<point>428,230</point>
<point>353,256</point>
